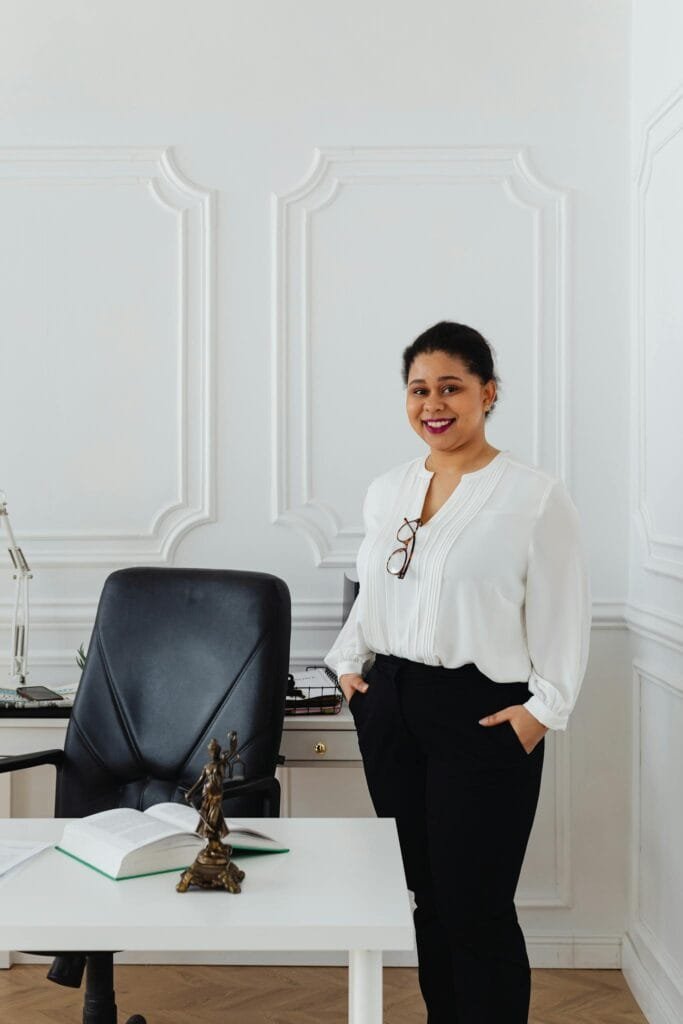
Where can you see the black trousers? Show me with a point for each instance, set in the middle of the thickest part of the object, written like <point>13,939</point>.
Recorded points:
<point>464,798</point>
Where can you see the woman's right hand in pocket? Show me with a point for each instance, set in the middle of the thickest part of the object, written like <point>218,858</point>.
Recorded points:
<point>350,682</point>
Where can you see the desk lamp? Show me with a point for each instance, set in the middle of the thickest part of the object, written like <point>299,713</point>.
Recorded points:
<point>22,574</point>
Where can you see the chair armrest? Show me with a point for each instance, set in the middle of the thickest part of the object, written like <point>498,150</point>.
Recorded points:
<point>268,785</point>
<point>236,787</point>
<point>18,761</point>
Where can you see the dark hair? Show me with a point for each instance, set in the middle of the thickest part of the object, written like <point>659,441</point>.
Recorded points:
<point>460,341</point>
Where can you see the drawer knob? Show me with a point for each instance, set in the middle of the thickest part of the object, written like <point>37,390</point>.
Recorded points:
<point>320,748</point>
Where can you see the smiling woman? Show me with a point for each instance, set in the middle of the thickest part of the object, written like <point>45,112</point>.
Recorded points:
<point>451,391</point>
<point>468,640</point>
<point>449,395</point>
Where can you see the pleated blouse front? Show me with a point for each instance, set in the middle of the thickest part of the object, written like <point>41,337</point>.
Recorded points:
<point>498,578</point>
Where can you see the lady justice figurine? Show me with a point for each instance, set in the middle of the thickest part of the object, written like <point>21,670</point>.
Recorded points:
<point>213,868</point>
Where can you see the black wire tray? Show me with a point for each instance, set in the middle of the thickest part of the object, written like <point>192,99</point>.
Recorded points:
<point>313,699</point>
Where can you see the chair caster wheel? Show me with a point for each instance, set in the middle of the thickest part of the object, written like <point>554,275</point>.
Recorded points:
<point>136,1019</point>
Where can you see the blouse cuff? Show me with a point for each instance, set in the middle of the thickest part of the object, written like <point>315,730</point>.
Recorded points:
<point>545,715</point>
<point>345,667</point>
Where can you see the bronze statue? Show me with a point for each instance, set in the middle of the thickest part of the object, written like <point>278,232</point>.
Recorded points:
<point>213,869</point>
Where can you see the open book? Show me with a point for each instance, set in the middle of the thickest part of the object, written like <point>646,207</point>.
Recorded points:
<point>125,843</point>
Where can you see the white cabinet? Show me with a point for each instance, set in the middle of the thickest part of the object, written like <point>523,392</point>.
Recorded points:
<point>31,793</point>
<point>323,773</point>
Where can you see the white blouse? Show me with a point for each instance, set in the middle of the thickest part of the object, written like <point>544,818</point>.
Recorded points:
<point>498,577</point>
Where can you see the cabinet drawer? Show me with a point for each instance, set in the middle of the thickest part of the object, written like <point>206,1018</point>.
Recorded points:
<point>320,745</point>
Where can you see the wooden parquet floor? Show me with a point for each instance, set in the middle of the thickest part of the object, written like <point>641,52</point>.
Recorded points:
<point>294,995</point>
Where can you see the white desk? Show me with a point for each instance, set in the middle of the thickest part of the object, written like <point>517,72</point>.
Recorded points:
<point>341,887</point>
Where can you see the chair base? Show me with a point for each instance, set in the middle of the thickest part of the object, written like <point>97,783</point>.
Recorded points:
<point>99,1006</point>
<point>68,969</point>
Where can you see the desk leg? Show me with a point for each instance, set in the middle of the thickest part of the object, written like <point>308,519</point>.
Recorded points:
<point>365,986</point>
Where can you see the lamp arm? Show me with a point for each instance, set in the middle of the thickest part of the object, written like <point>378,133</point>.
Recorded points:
<point>20,618</point>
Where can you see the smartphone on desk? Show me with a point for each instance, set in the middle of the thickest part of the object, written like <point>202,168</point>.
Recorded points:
<point>38,693</point>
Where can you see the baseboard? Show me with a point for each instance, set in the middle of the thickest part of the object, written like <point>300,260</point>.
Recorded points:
<point>574,950</point>
<point>658,992</point>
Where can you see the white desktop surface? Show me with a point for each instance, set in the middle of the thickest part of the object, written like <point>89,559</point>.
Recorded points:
<point>341,886</point>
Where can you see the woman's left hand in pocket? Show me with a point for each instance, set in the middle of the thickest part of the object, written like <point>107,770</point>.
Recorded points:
<point>528,728</point>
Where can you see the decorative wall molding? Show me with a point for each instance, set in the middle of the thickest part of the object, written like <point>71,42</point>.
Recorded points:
<point>661,554</point>
<point>46,659</point>
<point>608,615</point>
<point>308,614</point>
<point>153,170</point>
<point>58,614</point>
<point>645,955</point>
<point>659,627</point>
<point>295,501</point>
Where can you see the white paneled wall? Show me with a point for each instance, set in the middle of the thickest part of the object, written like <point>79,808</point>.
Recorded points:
<point>223,222</point>
<point>107,269</point>
<point>653,945</point>
<point>356,212</point>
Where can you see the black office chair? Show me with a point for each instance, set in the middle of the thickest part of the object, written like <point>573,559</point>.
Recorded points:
<point>177,656</point>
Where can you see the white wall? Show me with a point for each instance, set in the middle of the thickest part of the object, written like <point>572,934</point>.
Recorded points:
<point>224,222</point>
<point>653,948</point>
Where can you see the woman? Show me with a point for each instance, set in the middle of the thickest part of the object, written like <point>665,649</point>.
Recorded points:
<point>468,641</point>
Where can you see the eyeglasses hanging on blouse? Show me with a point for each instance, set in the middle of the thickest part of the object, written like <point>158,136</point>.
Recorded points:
<point>399,560</point>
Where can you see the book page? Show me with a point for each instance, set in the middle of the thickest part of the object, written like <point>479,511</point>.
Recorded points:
<point>238,829</point>
<point>186,818</point>
<point>124,828</point>
<point>182,816</point>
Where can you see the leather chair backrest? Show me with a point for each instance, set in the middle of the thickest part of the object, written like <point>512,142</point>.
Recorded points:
<point>177,656</point>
